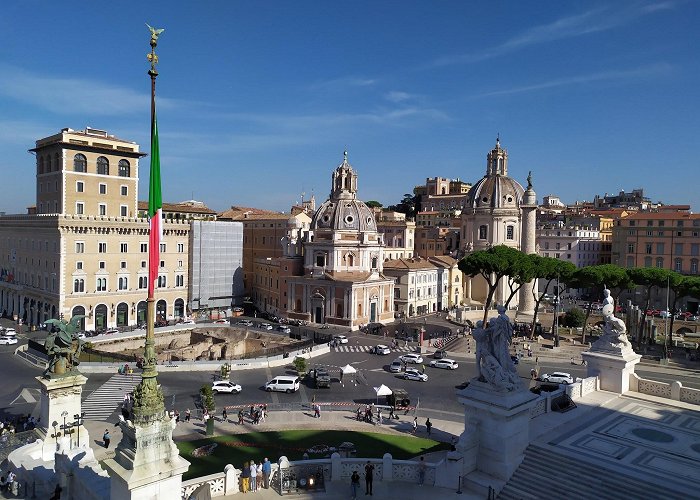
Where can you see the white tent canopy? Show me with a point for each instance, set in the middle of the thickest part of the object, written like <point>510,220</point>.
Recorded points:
<point>347,370</point>
<point>382,390</point>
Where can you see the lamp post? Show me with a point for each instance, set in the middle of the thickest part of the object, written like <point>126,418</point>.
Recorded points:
<point>666,339</point>
<point>556,317</point>
<point>79,420</point>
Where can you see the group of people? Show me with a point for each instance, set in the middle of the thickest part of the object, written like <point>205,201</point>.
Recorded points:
<point>365,414</point>
<point>369,479</point>
<point>255,476</point>
<point>9,483</point>
<point>18,424</point>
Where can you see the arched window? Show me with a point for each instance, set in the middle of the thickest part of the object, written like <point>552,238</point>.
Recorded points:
<point>374,263</point>
<point>124,168</point>
<point>350,260</point>
<point>660,262</point>
<point>102,166</point>
<point>78,285</point>
<point>483,232</point>
<point>80,163</point>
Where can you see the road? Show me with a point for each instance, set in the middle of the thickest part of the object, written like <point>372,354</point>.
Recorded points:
<point>181,388</point>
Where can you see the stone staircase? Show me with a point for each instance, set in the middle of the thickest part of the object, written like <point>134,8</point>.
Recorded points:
<point>548,474</point>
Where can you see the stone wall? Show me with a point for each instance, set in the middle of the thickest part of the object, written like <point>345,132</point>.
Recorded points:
<point>673,390</point>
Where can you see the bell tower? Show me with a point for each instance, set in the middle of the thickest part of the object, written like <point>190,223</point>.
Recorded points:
<point>344,186</point>
<point>497,160</point>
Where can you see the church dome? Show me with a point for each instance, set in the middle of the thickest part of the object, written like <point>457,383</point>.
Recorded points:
<point>343,211</point>
<point>496,189</point>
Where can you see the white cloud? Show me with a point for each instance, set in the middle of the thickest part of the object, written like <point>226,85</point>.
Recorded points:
<point>594,20</point>
<point>631,74</point>
<point>398,96</point>
<point>73,96</point>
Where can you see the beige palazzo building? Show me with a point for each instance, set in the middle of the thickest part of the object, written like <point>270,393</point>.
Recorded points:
<point>84,249</point>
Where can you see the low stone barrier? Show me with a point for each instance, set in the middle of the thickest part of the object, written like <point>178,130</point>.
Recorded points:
<point>673,390</point>
<point>207,366</point>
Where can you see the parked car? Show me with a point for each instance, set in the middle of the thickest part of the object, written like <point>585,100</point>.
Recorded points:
<point>225,386</point>
<point>440,354</point>
<point>412,358</point>
<point>380,349</point>
<point>245,322</point>
<point>320,377</point>
<point>188,321</point>
<point>283,383</point>
<point>9,332</point>
<point>413,374</point>
<point>110,331</point>
<point>558,378</point>
<point>7,340</point>
<point>222,321</point>
<point>396,366</point>
<point>265,326</point>
<point>445,363</point>
<point>340,339</point>
<point>284,329</point>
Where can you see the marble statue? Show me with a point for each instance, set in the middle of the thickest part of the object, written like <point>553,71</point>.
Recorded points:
<point>63,347</point>
<point>614,329</point>
<point>493,362</point>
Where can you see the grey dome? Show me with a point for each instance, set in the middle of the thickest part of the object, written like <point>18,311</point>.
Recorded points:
<point>343,215</point>
<point>497,191</point>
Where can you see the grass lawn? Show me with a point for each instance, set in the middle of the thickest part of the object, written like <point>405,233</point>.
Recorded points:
<point>238,448</point>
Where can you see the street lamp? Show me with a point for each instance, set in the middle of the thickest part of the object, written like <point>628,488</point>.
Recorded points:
<point>79,420</point>
<point>556,317</point>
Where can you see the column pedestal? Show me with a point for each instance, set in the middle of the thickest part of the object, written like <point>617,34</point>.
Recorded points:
<point>612,369</point>
<point>497,427</point>
<point>147,464</point>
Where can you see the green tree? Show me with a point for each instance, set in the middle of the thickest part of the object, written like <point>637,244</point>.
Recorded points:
<point>492,264</point>
<point>409,205</point>
<point>574,318</point>
<point>207,397</point>
<point>373,204</point>
<point>551,270</point>
<point>300,364</point>
<point>523,270</point>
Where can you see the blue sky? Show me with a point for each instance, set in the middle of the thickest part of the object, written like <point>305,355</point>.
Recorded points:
<point>257,100</point>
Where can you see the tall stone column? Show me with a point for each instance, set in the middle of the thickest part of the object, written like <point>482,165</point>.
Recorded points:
<point>526,302</point>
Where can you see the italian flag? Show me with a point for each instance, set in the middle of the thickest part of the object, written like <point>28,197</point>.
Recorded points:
<point>155,214</point>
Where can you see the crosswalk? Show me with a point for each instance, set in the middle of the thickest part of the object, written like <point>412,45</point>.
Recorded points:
<point>101,403</point>
<point>366,348</point>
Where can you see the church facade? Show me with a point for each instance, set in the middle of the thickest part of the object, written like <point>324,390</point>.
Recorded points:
<point>343,257</point>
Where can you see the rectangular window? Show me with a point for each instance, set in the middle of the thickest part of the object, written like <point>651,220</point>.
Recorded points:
<point>103,188</point>
<point>144,247</point>
<point>162,264</point>
<point>79,187</point>
<point>647,248</point>
<point>679,249</point>
<point>162,248</point>
<point>102,247</point>
<point>79,265</point>
<point>695,249</point>
<point>102,264</point>
<point>143,264</point>
<point>101,284</point>
<point>79,247</point>
<point>124,190</point>
<point>79,208</point>
<point>102,209</point>
<point>122,265</point>
<point>179,263</point>
<point>123,211</point>
<point>660,248</point>
<point>180,247</point>
<point>510,232</point>
<point>123,247</point>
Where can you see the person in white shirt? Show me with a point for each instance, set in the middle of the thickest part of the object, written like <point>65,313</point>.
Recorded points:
<point>253,475</point>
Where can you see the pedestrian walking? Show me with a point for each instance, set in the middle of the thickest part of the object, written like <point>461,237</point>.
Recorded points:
<point>188,414</point>
<point>240,417</point>
<point>421,471</point>
<point>354,484</point>
<point>422,368</point>
<point>379,416</point>
<point>106,438</point>
<point>369,478</point>
<point>428,425</point>
<point>224,415</point>
<point>415,425</point>
<point>266,471</point>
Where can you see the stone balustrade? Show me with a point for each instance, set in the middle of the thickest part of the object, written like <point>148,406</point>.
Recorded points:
<point>335,468</point>
<point>672,390</point>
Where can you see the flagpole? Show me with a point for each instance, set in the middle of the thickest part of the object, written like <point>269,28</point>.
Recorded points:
<point>148,397</point>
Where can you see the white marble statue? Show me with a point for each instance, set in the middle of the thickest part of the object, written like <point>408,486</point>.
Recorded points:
<point>614,330</point>
<point>493,362</point>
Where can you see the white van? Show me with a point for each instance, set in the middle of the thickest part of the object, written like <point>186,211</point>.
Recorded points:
<point>283,383</point>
